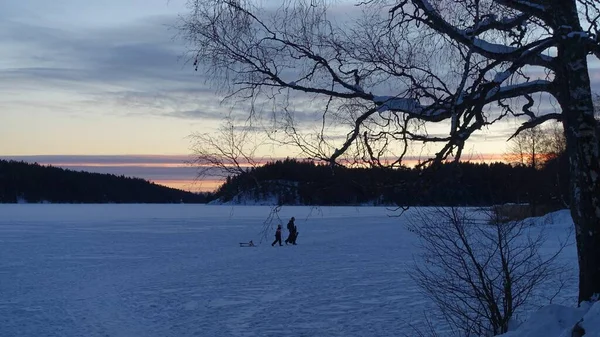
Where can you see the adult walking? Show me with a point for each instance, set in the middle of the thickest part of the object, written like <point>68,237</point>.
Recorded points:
<point>293,232</point>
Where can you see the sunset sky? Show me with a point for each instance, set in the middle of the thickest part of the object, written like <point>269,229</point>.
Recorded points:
<point>103,86</point>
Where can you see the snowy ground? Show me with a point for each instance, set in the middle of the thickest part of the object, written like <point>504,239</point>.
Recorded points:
<point>177,270</point>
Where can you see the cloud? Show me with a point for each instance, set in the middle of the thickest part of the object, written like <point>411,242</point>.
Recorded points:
<point>90,160</point>
<point>138,66</point>
<point>142,50</point>
<point>134,68</point>
<point>199,103</point>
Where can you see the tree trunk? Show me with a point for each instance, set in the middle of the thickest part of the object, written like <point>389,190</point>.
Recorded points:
<point>575,99</point>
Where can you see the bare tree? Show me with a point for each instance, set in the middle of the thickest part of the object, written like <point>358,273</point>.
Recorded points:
<point>480,272</point>
<point>525,148</point>
<point>394,69</point>
<point>554,143</point>
<point>232,151</point>
<point>534,147</point>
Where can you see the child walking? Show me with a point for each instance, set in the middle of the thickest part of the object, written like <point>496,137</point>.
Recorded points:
<point>277,236</point>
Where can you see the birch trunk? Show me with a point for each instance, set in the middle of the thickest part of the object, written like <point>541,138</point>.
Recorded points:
<point>575,99</point>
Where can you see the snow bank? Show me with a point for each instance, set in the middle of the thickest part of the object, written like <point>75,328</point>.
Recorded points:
<point>558,321</point>
<point>591,321</point>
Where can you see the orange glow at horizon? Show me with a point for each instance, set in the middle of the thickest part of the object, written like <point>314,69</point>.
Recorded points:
<point>173,165</point>
<point>115,164</point>
<point>480,158</point>
<point>195,185</point>
<point>212,183</point>
<point>487,157</point>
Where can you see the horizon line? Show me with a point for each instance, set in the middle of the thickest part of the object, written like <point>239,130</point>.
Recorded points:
<point>171,170</point>
<point>180,160</point>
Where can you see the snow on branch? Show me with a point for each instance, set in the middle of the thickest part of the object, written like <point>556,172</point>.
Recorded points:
<point>489,22</point>
<point>409,105</point>
<point>524,5</point>
<point>467,37</point>
<point>532,7</point>
<point>445,108</point>
<point>502,76</point>
<point>489,48</point>
<point>516,90</point>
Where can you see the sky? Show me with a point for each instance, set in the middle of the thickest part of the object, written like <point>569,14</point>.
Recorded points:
<point>104,86</point>
<point>102,77</point>
<point>87,80</point>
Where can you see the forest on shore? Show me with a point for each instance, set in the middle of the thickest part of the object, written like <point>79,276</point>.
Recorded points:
<point>294,182</point>
<point>35,183</point>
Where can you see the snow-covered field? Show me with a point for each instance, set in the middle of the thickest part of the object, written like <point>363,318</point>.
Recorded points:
<point>177,270</point>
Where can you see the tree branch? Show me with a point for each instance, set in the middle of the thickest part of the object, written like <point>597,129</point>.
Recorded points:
<point>499,52</point>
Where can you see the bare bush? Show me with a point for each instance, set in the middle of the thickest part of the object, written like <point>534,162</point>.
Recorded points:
<point>478,270</point>
<point>232,151</point>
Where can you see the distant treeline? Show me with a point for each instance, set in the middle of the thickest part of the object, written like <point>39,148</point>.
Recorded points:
<point>469,184</point>
<point>25,182</point>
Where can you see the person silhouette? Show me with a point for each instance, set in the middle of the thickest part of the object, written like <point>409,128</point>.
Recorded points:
<point>293,232</point>
<point>277,236</point>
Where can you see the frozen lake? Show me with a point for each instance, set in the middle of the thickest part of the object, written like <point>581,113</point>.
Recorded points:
<point>177,270</point>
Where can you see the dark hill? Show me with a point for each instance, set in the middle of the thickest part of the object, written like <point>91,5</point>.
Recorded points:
<point>291,182</point>
<point>20,181</point>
